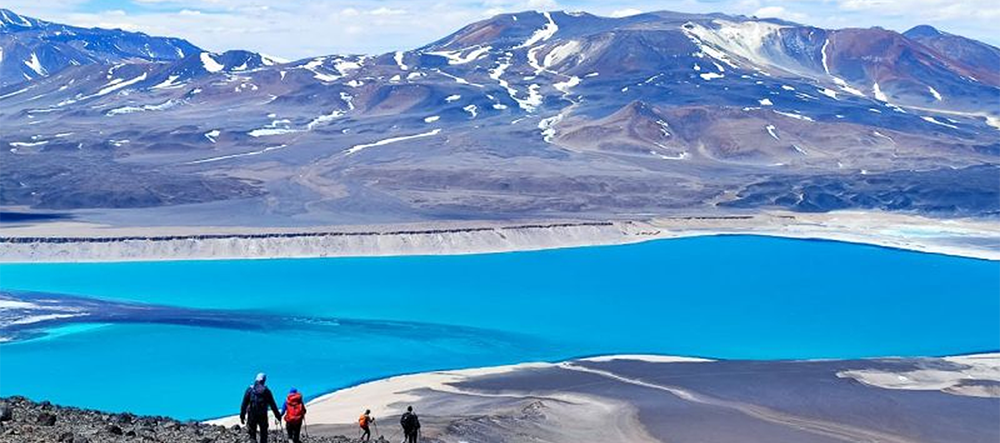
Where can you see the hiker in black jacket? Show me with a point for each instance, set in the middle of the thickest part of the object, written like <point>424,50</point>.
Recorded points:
<point>256,400</point>
<point>411,425</point>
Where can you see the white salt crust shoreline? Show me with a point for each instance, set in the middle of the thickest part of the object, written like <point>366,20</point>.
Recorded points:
<point>79,242</point>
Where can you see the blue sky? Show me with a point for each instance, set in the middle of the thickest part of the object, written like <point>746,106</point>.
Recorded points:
<point>301,28</point>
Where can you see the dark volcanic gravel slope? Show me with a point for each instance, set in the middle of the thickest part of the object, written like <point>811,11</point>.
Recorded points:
<point>24,421</point>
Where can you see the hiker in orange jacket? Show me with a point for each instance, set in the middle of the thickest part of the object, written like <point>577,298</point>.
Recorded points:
<point>365,420</point>
<point>294,412</point>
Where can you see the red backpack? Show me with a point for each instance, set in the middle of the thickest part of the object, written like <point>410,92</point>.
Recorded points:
<point>295,411</point>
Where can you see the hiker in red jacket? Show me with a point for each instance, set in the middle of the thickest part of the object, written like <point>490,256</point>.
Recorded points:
<point>294,412</point>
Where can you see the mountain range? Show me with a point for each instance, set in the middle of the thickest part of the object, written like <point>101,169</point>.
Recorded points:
<point>526,115</point>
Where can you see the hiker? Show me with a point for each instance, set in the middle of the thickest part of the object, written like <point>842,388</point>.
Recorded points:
<point>364,421</point>
<point>294,412</point>
<point>256,400</point>
<point>411,425</point>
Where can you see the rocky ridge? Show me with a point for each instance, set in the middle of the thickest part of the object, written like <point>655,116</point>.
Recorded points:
<point>26,421</point>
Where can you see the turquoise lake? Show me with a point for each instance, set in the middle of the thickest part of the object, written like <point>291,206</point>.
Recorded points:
<point>323,324</point>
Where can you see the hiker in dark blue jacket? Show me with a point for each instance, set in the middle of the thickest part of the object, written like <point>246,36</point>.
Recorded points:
<point>256,400</point>
<point>411,426</point>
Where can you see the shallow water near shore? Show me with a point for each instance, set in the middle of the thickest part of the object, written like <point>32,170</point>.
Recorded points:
<point>322,324</point>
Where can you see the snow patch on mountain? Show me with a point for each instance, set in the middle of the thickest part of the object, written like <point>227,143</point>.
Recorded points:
<point>745,40</point>
<point>825,60</point>
<point>548,127</point>
<point>992,121</point>
<point>795,116</point>
<point>560,53</point>
<point>144,108</point>
<point>938,122</point>
<point>28,144</point>
<point>348,99</point>
<point>533,59</point>
<point>358,148</point>
<point>534,99</point>
<point>543,34</point>
<point>276,127</point>
<point>473,110</point>
<point>934,93</point>
<point>342,66</point>
<point>35,65</point>
<point>847,87</point>
<point>210,64</point>
<point>497,75</point>
<point>12,18</point>
<point>168,83</point>
<point>242,154</point>
<point>458,79</point>
<point>828,92</point>
<point>324,119</point>
<point>313,67</point>
<point>398,57</point>
<point>565,86</point>
<point>463,56</point>
<point>269,60</point>
<point>17,92</point>
<point>211,135</point>
<point>879,95</point>
<point>119,84</point>
<point>528,104</point>
<point>680,156</point>
<point>771,130</point>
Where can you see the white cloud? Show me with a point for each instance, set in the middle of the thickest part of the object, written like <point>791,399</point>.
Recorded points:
<point>387,11</point>
<point>625,12</point>
<point>779,12</point>
<point>543,4</point>
<point>930,10</point>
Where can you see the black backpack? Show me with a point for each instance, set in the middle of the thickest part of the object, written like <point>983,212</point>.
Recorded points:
<point>409,421</point>
<point>258,400</point>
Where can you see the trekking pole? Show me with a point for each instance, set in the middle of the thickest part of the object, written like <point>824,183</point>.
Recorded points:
<point>393,435</point>
<point>375,424</point>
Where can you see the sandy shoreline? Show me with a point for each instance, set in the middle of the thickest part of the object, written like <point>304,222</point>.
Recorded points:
<point>654,398</point>
<point>80,242</point>
<point>391,395</point>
